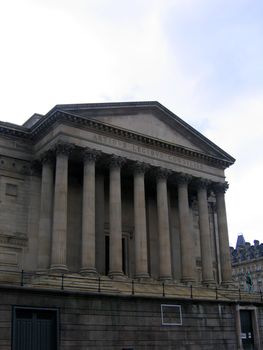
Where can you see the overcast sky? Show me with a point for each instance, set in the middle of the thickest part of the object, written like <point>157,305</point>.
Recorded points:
<point>202,59</point>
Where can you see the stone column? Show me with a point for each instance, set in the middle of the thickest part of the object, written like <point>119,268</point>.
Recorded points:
<point>88,213</point>
<point>186,238</point>
<point>225,260</point>
<point>59,236</point>
<point>46,209</point>
<point>99,223</point>
<point>163,225</point>
<point>205,237</point>
<point>140,229</point>
<point>115,217</point>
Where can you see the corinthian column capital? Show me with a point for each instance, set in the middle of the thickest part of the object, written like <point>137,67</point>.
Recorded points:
<point>220,187</point>
<point>140,167</point>
<point>47,157</point>
<point>116,161</point>
<point>63,148</point>
<point>162,173</point>
<point>89,155</point>
<point>201,183</point>
<point>183,179</point>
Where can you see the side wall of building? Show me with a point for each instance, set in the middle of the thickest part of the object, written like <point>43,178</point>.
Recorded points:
<point>113,322</point>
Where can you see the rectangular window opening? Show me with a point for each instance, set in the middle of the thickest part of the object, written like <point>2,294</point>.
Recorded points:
<point>11,190</point>
<point>171,315</point>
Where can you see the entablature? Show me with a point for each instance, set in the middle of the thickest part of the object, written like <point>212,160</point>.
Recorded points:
<point>135,152</point>
<point>55,117</point>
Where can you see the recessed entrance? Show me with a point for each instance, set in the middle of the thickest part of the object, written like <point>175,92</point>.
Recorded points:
<point>34,329</point>
<point>125,254</point>
<point>247,328</point>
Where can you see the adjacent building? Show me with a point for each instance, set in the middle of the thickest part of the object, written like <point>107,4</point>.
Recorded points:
<point>247,260</point>
<point>113,221</point>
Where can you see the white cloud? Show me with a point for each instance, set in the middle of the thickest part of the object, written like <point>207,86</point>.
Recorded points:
<point>55,55</point>
<point>201,59</point>
<point>238,129</point>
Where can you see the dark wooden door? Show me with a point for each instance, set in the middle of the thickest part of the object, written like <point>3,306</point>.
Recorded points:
<point>247,329</point>
<point>34,330</point>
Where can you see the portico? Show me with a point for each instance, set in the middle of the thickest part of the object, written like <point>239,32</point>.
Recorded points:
<point>138,175</point>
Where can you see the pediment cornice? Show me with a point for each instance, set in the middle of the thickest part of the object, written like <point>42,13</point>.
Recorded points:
<point>58,115</point>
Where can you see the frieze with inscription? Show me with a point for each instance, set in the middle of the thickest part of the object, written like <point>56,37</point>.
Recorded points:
<point>147,151</point>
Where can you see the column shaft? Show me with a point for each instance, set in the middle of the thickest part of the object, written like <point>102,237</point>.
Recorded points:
<point>140,233</point>
<point>187,253</point>
<point>115,220</point>
<point>163,229</point>
<point>205,238</point>
<point>225,261</point>
<point>45,220</point>
<point>88,217</point>
<point>99,219</point>
<point>59,237</point>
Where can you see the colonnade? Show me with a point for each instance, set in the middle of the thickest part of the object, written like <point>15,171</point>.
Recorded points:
<point>53,219</point>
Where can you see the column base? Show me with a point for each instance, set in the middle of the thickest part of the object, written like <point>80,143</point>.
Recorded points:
<point>167,278</point>
<point>209,283</point>
<point>117,275</point>
<point>41,271</point>
<point>188,281</point>
<point>58,268</point>
<point>88,272</point>
<point>142,276</point>
<point>227,284</point>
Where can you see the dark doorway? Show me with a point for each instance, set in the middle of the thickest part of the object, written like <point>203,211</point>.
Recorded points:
<point>107,255</point>
<point>247,335</point>
<point>34,329</point>
<point>125,255</point>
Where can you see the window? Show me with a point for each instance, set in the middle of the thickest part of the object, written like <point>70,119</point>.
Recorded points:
<point>11,190</point>
<point>171,315</point>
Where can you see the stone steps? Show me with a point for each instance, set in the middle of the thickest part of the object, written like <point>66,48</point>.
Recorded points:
<point>10,277</point>
<point>168,290</point>
<point>237,296</point>
<point>73,282</point>
<point>124,286</point>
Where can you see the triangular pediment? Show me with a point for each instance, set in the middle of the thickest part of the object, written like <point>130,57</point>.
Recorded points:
<point>150,119</point>
<point>148,123</point>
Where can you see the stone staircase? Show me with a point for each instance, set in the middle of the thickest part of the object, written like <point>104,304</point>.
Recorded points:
<point>236,295</point>
<point>74,282</point>
<point>10,277</point>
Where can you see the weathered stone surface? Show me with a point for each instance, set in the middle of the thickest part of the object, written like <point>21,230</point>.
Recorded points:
<point>112,322</point>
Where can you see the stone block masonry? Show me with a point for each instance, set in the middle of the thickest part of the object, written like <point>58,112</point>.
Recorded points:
<point>92,321</point>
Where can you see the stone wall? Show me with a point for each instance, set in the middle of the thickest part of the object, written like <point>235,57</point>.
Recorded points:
<point>92,321</point>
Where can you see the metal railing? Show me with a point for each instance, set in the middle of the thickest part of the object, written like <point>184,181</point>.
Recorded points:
<point>104,285</point>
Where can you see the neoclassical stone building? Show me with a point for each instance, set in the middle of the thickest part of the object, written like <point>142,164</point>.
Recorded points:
<point>117,189</point>
<point>113,235</point>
